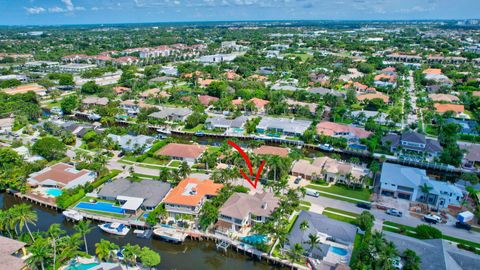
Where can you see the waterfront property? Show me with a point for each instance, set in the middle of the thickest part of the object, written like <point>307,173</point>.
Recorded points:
<point>12,254</point>
<point>411,142</point>
<point>241,211</point>
<point>331,170</point>
<point>61,175</point>
<point>435,254</point>
<point>129,143</point>
<point>171,113</point>
<point>146,194</point>
<point>224,123</point>
<point>406,183</point>
<point>336,238</point>
<point>342,131</point>
<point>189,153</point>
<point>271,150</point>
<point>284,126</point>
<point>188,197</point>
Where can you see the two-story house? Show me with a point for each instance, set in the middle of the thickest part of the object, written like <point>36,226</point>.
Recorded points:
<point>412,142</point>
<point>241,211</point>
<point>188,197</point>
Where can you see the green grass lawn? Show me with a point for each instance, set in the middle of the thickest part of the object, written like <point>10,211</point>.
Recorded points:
<point>340,218</point>
<point>145,175</point>
<point>356,248</point>
<point>292,222</point>
<point>305,203</point>
<point>361,194</point>
<point>303,207</point>
<point>194,129</point>
<point>155,161</point>
<point>129,158</point>
<point>175,163</point>
<point>340,211</point>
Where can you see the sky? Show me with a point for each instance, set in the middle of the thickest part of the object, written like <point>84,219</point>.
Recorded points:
<point>53,12</point>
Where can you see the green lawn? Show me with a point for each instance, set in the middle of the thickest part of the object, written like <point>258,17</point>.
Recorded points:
<point>356,248</point>
<point>129,158</point>
<point>340,218</point>
<point>155,161</point>
<point>303,207</point>
<point>361,194</point>
<point>194,129</point>
<point>305,203</point>
<point>175,163</point>
<point>292,222</point>
<point>145,175</point>
<point>340,211</point>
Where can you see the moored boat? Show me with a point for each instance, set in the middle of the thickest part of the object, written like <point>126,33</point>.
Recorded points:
<point>115,228</point>
<point>73,215</point>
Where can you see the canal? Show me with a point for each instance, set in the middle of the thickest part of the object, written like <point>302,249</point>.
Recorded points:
<point>195,255</point>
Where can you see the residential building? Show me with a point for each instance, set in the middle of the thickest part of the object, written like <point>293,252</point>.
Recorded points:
<point>467,127</point>
<point>221,122</point>
<point>360,117</point>
<point>443,98</point>
<point>375,95</point>
<point>146,194</point>
<point>471,159</point>
<point>457,109</point>
<point>217,58</point>
<point>12,254</point>
<point>342,131</point>
<point>404,58</point>
<point>61,175</point>
<point>169,71</point>
<point>171,113</point>
<point>189,153</point>
<point>330,170</point>
<point>412,142</point>
<point>18,77</point>
<point>271,150</point>
<point>91,100</point>
<point>331,233</point>
<point>285,126</point>
<point>188,197</point>
<point>76,68</point>
<point>405,183</point>
<point>435,254</point>
<point>312,107</point>
<point>121,89</point>
<point>130,143</point>
<point>242,211</point>
<point>207,100</point>
<point>325,91</point>
<point>260,104</point>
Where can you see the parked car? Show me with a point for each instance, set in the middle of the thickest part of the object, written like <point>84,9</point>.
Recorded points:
<point>430,218</point>
<point>394,212</point>
<point>297,180</point>
<point>463,225</point>
<point>312,192</point>
<point>364,205</point>
<point>325,147</point>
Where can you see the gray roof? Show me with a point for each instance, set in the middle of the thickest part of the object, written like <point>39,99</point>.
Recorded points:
<point>338,231</point>
<point>323,91</point>
<point>431,146</point>
<point>239,205</point>
<point>227,123</point>
<point>131,143</point>
<point>412,136</point>
<point>435,254</point>
<point>166,112</point>
<point>403,175</point>
<point>286,124</point>
<point>152,191</point>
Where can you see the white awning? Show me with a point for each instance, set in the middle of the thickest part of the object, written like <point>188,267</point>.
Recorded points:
<point>131,203</point>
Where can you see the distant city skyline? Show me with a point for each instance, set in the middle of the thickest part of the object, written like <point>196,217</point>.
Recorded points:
<point>54,12</point>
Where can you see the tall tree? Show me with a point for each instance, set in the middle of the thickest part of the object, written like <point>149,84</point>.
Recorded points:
<point>83,228</point>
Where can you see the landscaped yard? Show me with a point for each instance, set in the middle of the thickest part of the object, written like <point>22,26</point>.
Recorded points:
<point>175,163</point>
<point>340,218</point>
<point>340,211</point>
<point>361,194</point>
<point>194,129</point>
<point>151,160</point>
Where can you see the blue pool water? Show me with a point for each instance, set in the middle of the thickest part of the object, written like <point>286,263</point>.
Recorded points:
<point>339,251</point>
<point>238,130</point>
<point>55,192</point>
<point>357,146</point>
<point>100,206</point>
<point>85,266</point>
<point>255,239</point>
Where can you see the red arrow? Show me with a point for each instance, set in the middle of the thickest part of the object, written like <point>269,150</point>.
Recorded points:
<point>249,164</point>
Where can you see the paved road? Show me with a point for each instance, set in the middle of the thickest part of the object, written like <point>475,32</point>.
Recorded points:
<point>380,215</point>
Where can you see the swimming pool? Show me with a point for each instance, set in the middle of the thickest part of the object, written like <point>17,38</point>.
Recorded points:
<point>54,192</point>
<point>339,251</point>
<point>238,130</point>
<point>357,146</point>
<point>255,239</point>
<point>83,266</point>
<point>100,206</point>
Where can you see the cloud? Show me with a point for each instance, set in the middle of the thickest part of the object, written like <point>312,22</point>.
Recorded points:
<point>35,10</point>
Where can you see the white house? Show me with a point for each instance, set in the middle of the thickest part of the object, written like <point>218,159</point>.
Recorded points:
<point>61,175</point>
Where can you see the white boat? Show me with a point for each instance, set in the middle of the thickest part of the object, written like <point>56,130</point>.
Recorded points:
<point>72,214</point>
<point>115,228</point>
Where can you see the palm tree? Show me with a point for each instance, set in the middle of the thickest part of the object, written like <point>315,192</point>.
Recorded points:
<point>184,170</point>
<point>25,215</point>
<point>69,247</point>
<point>296,252</point>
<point>54,233</point>
<point>278,165</point>
<point>83,228</point>
<point>164,175</point>
<point>39,253</point>
<point>5,222</point>
<point>130,253</point>
<point>313,242</point>
<point>425,189</point>
<point>104,249</point>
<point>304,226</point>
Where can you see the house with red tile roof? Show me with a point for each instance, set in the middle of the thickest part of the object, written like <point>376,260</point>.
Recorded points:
<point>374,95</point>
<point>120,89</point>
<point>443,108</point>
<point>61,175</point>
<point>207,100</point>
<point>188,197</point>
<point>443,98</point>
<point>341,130</point>
<point>259,103</point>
<point>271,150</point>
<point>189,153</point>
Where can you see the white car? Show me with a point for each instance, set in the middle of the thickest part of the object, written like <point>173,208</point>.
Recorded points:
<point>325,147</point>
<point>431,218</point>
<point>394,212</point>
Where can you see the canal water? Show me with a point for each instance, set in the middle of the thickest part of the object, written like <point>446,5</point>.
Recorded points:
<point>189,255</point>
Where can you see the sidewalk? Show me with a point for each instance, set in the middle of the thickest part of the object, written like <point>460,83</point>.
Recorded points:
<point>337,195</point>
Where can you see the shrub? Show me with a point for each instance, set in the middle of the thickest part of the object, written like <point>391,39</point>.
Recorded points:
<point>427,232</point>
<point>69,197</point>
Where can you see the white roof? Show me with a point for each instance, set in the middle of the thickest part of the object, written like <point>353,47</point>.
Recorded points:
<point>131,203</point>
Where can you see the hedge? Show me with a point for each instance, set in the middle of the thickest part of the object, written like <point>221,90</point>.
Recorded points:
<point>104,179</point>
<point>66,199</point>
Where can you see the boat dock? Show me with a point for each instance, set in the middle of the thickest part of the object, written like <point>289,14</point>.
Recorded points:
<point>170,234</point>
<point>146,234</point>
